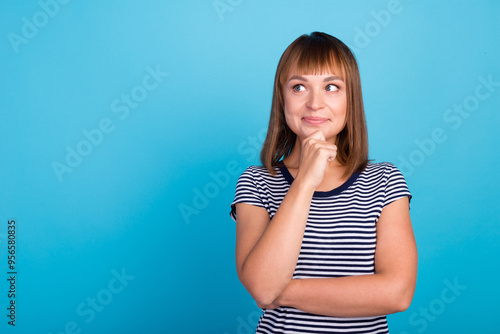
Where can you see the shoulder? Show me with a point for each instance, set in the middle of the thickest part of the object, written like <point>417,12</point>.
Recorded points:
<point>259,179</point>
<point>255,172</point>
<point>383,174</point>
<point>258,187</point>
<point>380,165</point>
<point>256,169</point>
<point>379,169</point>
<point>391,180</point>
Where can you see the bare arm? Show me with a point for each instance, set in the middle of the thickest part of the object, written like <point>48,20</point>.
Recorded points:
<point>267,250</point>
<point>387,291</point>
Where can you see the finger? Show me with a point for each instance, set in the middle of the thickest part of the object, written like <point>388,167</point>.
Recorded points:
<point>328,151</point>
<point>323,145</point>
<point>318,135</point>
<point>317,143</point>
<point>332,157</point>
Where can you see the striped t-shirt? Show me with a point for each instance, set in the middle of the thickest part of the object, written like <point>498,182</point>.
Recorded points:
<point>339,237</point>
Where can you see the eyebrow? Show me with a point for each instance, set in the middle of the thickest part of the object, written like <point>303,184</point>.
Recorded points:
<point>330,78</point>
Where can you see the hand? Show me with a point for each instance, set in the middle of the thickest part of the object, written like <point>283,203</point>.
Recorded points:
<point>315,155</point>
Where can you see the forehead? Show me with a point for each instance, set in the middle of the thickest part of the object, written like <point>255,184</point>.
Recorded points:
<point>314,66</point>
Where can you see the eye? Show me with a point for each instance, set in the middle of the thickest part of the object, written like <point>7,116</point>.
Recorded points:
<point>299,88</point>
<point>332,88</point>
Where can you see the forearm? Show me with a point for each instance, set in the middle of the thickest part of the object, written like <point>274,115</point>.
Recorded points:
<point>352,296</point>
<point>390,289</point>
<point>270,265</point>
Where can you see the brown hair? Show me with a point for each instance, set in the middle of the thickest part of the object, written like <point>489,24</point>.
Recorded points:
<point>315,54</point>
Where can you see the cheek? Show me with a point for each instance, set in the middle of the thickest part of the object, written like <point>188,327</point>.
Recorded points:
<point>290,120</point>
<point>290,113</point>
<point>340,107</point>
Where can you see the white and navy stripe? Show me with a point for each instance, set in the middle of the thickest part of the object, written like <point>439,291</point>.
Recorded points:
<point>339,238</point>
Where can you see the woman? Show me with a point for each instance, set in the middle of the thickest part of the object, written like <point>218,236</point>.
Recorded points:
<point>324,241</point>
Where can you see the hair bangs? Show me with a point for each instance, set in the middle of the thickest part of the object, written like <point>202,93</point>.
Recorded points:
<point>315,57</point>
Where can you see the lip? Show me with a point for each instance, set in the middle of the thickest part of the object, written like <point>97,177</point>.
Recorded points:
<point>314,120</point>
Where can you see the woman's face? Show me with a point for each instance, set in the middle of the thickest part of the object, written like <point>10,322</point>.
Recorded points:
<point>315,102</point>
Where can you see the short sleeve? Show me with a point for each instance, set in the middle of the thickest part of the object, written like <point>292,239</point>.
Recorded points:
<point>396,186</point>
<point>246,191</point>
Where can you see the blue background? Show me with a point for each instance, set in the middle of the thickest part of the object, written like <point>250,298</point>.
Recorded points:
<point>150,199</point>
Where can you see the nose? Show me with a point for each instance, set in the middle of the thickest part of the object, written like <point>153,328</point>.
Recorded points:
<point>316,100</point>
